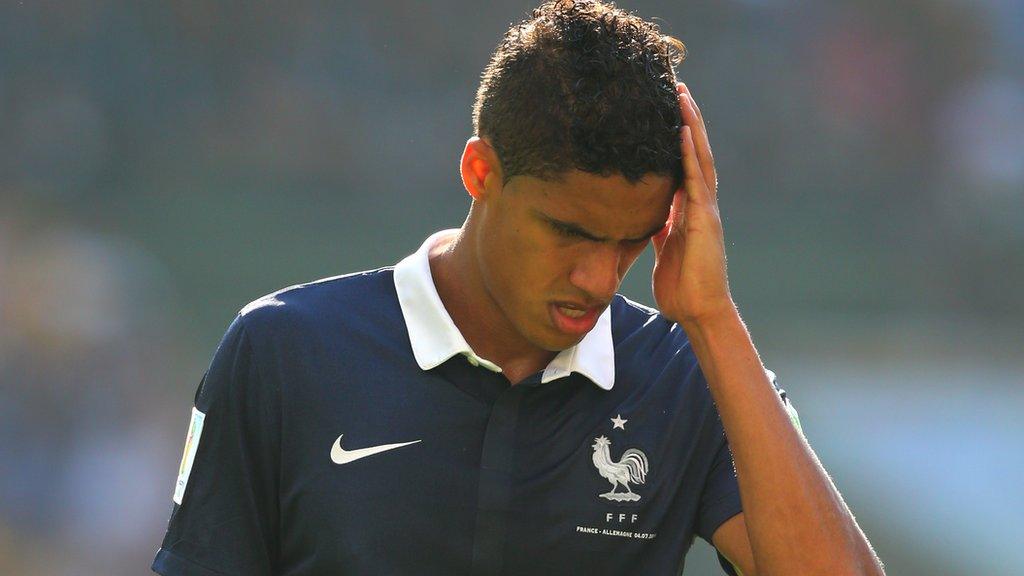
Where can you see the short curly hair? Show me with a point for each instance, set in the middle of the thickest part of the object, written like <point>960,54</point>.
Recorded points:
<point>582,84</point>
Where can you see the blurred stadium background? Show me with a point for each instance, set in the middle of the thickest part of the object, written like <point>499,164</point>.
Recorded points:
<point>165,163</point>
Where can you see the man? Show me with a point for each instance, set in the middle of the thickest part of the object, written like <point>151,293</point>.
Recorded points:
<point>490,405</point>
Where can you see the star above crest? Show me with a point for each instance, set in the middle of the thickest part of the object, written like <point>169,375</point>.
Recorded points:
<point>619,422</point>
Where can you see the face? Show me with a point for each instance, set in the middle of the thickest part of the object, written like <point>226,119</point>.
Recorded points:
<point>553,253</point>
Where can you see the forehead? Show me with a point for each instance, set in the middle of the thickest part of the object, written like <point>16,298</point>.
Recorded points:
<point>611,205</point>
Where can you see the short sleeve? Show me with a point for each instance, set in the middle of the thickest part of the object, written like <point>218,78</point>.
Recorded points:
<point>720,500</point>
<point>226,522</point>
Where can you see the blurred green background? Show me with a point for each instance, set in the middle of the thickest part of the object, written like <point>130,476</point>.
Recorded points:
<point>165,163</point>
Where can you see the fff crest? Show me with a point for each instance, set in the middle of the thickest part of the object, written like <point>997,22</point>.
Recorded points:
<point>631,468</point>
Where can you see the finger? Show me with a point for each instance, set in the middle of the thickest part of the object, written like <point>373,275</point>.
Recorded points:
<point>693,118</point>
<point>701,144</point>
<point>693,179</point>
<point>684,89</point>
<point>696,107</point>
<point>704,144</point>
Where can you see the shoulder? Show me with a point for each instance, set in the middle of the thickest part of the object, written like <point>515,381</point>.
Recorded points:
<point>632,320</point>
<point>325,314</point>
<point>650,349</point>
<point>319,301</point>
<point>631,310</point>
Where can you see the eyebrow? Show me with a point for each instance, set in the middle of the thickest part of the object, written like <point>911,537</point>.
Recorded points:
<point>580,231</point>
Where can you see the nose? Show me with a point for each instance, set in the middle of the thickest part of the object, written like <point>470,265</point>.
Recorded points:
<point>598,271</point>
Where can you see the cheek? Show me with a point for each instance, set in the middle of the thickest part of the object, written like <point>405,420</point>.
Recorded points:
<point>517,266</point>
<point>540,274</point>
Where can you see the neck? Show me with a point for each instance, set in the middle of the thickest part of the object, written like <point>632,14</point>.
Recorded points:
<point>456,275</point>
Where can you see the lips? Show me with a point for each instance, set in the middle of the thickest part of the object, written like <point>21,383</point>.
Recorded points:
<point>573,318</point>
<point>572,312</point>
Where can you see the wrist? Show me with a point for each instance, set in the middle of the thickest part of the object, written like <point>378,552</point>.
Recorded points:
<point>722,313</point>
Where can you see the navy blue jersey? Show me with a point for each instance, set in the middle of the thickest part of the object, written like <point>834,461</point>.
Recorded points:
<point>345,427</point>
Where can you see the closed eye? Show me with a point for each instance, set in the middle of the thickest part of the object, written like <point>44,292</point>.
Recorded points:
<point>571,232</point>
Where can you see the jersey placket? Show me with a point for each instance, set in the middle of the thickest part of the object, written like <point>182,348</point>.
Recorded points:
<point>495,487</point>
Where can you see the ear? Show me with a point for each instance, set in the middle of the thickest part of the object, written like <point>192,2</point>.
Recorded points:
<point>480,168</point>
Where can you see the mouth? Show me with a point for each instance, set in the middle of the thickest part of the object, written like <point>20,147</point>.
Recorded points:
<point>572,318</point>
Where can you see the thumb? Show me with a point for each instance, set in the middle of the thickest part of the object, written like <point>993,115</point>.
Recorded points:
<point>675,219</point>
<point>658,240</point>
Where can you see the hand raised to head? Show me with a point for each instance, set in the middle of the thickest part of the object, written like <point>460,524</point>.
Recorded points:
<point>689,279</point>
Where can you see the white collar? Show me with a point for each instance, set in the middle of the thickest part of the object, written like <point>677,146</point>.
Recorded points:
<point>435,338</point>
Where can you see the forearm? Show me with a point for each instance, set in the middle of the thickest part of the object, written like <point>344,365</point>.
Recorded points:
<point>796,520</point>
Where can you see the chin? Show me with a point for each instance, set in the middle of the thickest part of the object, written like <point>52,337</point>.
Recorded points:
<point>555,341</point>
<point>547,337</point>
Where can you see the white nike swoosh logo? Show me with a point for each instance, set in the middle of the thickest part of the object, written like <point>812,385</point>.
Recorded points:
<point>341,456</point>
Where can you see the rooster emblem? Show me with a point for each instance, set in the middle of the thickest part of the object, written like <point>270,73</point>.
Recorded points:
<point>630,469</point>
